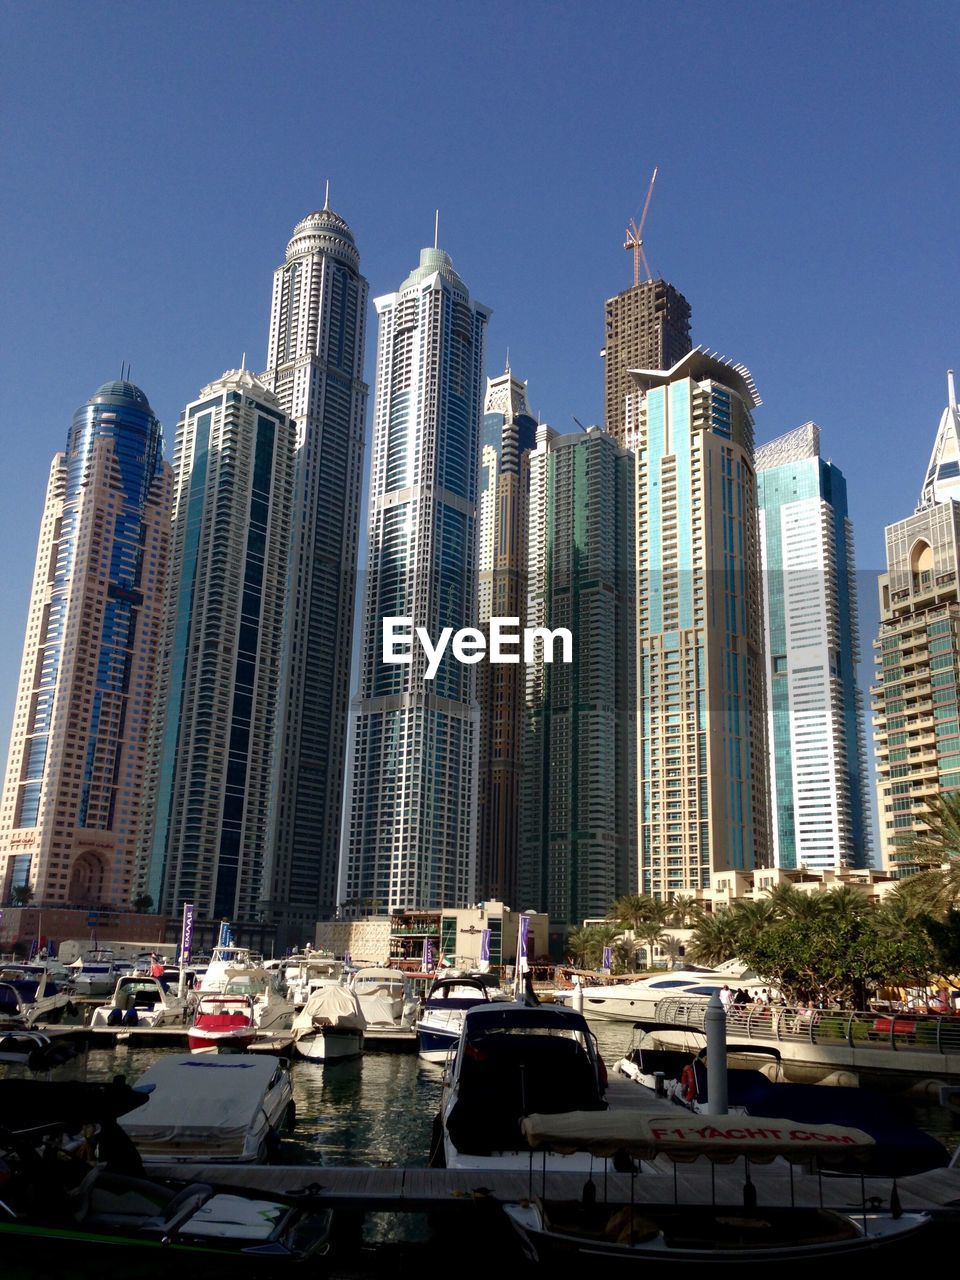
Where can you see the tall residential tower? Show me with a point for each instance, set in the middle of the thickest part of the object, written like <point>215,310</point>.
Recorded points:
<point>817,758</point>
<point>578,840</point>
<point>315,369</point>
<point>916,700</point>
<point>234,465</point>
<point>702,723</point>
<point>411,830</point>
<point>75,773</point>
<point>508,435</point>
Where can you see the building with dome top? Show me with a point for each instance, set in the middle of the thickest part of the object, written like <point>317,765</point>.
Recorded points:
<point>74,790</point>
<point>315,369</point>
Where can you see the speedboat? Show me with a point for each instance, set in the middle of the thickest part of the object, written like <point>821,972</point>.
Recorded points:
<point>441,1019</point>
<point>140,1001</point>
<point>28,995</point>
<point>384,999</point>
<point>96,973</point>
<point>36,1051</point>
<point>511,1060</point>
<point>330,1026</point>
<point>637,1001</point>
<point>224,1109</point>
<point>667,1232</point>
<point>223,963</point>
<point>304,974</point>
<point>59,1198</point>
<point>222,1022</point>
<point>272,1011</point>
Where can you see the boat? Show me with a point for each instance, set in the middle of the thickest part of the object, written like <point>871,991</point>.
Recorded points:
<point>637,1001</point>
<point>225,960</point>
<point>384,998</point>
<point>35,1050</point>
<point>900,1147</point>
<point>304,974</point>
<point>272,1011</point>
<point>74,1183</point>
<point>441,1019</point>
<point>141,1001</point>
<point>29,995</point>
<point>512,1059</point>
<point>222,1022</point>
<point>225,1109</point>
<point>667,1232</point>
<point>96,973</point>
<point>330,1026</point>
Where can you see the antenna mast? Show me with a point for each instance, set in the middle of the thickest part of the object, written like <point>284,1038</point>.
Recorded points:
<point>634,238</point>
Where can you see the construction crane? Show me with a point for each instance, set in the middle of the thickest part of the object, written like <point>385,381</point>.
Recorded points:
<point>634,238</point>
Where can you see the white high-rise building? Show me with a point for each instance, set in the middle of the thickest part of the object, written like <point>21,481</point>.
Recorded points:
<point>410,830</point>
<point>817,761</point>
<point>315,369</point>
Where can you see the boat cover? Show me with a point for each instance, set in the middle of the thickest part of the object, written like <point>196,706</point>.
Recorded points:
<point>337,1006</point>
<point>603,1133</point>
<point>214,1100</point>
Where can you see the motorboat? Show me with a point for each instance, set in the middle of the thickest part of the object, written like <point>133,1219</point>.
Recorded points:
<point>74,1182</point>
<point>28,996</point>
<point>141,1001</point>
<point>225,960</point>
<point>212,1109</point>
<point>441,1018</point>
<point>222,1022</point>
<point>35,1050</point>
<point>637,1001</point>
<point>384,998</point>
<point>513,1059</point>
<point>272,1010</point>
<point>304,974</point>
<point>96,973</point>
<point>900,1147</point>
<point>665,1231</point>
<point>330,1026</point>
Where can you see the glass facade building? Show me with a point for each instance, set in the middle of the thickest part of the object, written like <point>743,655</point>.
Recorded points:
<point>315,369</point>
<point>73,796</point>
<point>213,778</point>
<point>411,829</point>
<point>508,434</point>
<point>817,754</point>
<point>578,838</point>
<point>701,730</point>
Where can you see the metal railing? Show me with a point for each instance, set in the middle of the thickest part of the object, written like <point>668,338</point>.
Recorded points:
<point>857,1029</point>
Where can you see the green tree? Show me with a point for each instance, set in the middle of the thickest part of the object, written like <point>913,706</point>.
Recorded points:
<point>650,936</point>
<point>585,944</point>
<point>683,908</point>
<point>636,909</point>
<point>940,842</point>
<point>21,895</point>
<point>714,939</point>
<point>142,902</point>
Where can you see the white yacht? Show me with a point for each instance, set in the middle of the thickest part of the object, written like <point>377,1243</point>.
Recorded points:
<point>384,999</point>
<point>141,1001</point>
<point>330,1026</point>
<point>637,1001</point>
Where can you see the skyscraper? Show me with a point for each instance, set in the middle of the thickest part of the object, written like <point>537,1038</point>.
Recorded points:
<point>702,723</point>
<point>916,715</point>
<point>74,785</point>
<point>647,327</point>
<point>410,834</point>
<point>508,435</point>
<point>578,848</point>
<point>817,760</point>
<point>234,488</point>
<point>315,368</point>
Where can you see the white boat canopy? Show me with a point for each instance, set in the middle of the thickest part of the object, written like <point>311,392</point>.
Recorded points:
<point>330,1006</point>
<point>603,1133</point>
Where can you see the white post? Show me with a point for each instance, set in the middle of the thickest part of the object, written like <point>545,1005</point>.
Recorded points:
<point>576,997</point>
<point>715,1025</point>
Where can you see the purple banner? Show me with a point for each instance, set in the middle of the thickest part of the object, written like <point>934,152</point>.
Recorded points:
<point>524,947</point>
<point>427,955</point>
<point>186,933</point>
<point>607,957</point>
<point>485,945</point>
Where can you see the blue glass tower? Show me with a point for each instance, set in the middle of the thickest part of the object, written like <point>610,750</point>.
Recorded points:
<point>75,776</point>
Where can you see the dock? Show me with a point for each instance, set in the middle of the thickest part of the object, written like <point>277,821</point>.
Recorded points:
<point>375,1040</point>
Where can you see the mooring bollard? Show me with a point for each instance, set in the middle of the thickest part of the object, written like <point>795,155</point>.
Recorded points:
<point>715,1025</point>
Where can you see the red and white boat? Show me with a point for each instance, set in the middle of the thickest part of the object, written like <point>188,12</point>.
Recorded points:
<point>222,1022</point>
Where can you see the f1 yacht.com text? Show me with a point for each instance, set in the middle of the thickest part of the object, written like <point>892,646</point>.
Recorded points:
<point>470,645</point>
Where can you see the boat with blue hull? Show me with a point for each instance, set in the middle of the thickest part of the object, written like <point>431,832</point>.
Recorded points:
<point>446,1005</point>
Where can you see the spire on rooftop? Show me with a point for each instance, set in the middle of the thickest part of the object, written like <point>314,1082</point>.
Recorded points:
<point>942,481</point>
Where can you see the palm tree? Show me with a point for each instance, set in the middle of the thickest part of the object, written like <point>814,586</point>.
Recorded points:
<point>21,895</point>
<point>940,842</point>
<point>714,939</point>
<point>650,935</point>
<point>752,917</point>
<point>636,909</point>
<point>585,945</point>
<point>142,903</point>
<point>845,903</point>
<point>682,907</point>
<point>932,892</point>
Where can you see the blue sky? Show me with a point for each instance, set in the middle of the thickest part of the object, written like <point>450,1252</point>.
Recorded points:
<point>156,158</point>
